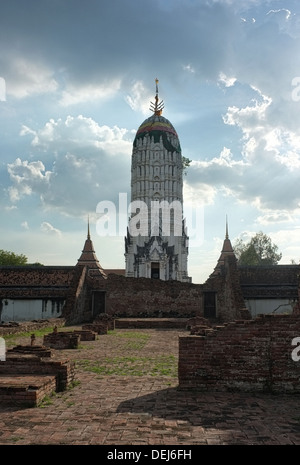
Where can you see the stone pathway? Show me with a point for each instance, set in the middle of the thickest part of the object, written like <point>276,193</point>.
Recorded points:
<point>147,410</point>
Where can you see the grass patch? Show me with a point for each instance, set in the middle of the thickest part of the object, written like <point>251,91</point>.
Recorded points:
<point>16,438</point>
<point>162,365</point>
<point>11,339</point>
<point>47,400</point>
<point>133,340</point>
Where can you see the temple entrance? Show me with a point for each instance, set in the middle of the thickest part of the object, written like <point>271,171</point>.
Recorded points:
<point>155,270</point>
<point>210,305</point>
<point>98,303</point>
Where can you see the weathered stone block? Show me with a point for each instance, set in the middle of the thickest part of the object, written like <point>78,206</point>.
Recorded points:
<point>63,340</point>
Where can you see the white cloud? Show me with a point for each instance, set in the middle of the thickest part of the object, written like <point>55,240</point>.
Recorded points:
<point>139,98</point>
<point>74,95</point>
<point>77,133</point>
<point>275,217</point>
<point>287,13</point>
<point>25,77</point>
<point>27,177</point>
<point>226,80</point>
<point>25,225</point>
<point>87,162</point>
<point>265,174</point>
<point>49,229</point>
<point>217,172</point>
<point>287,241</point>
<point>189,68</point>
<point>252,117</point>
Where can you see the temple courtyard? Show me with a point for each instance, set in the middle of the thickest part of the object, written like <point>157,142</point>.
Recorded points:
<point>126,393</point>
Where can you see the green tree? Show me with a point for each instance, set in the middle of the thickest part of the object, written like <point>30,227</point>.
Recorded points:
<point>185,164</point>
<point>12,259</point>
<point>258,251</point>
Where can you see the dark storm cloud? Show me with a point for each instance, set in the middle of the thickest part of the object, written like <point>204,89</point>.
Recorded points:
<point>97,39</point>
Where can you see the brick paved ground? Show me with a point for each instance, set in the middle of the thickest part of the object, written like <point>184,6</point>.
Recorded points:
<point>142,409</point>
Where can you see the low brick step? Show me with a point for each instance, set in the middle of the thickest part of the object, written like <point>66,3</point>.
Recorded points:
<point>39,351</point>
<point>26,390</point>
<point>61,340</point>
<point>20,364</point>
<point>151,323</point>
<point>86,334</point>
<point>96,327</point>
<point>68,339</point>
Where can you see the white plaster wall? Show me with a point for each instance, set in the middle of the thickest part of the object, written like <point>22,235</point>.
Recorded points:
<point>263,306</point>
<point>27,310</point>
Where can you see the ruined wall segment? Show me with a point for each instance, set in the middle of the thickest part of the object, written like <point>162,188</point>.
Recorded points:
<point>244,355</point>
<point>143,298</point>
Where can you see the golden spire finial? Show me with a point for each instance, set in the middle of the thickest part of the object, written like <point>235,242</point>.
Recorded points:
<point>157,107</point>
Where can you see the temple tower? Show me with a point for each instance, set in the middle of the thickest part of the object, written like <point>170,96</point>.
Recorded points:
<point>156,245</point>
<point>88,258</point>
<point>227,250</point>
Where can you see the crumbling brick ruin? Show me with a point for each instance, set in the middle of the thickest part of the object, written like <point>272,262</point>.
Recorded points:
<point>68,339</point>
<point>30,373</point>
<point>242,355</point>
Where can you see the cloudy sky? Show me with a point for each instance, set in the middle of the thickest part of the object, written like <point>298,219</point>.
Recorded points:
<point>76,79</point>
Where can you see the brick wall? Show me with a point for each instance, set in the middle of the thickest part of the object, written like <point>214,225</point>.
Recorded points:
<point>280,281</point>
<point>226,284</point>
<point>130,297</point>
<point>146,298</point>
<point>245,355</point>
<point>75,308</point>
<point>151,298</point>
<point>34,281</point>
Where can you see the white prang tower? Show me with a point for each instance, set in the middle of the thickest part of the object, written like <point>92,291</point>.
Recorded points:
<point>156,245</point>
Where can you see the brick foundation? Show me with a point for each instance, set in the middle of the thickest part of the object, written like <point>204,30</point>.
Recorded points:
<point>63,340</point>
<point>86,334</point>
<point>29,373</point>
<point>251,355</point>
<point>39,351</point>
<point>26,390</point>
<point>99,327</point>
<point>28,364</point>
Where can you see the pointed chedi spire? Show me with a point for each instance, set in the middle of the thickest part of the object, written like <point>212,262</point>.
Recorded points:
<point>88,256</point>
<point>88,233</point>
<point>226,234</point>
<point>227,249</point>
